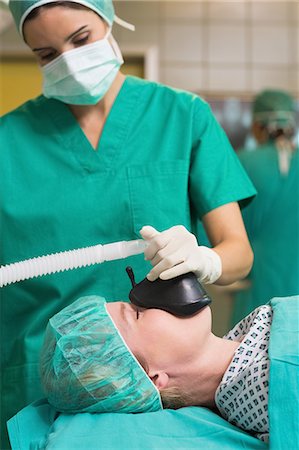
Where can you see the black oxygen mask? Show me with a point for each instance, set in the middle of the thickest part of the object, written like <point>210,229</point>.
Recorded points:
<point>181,296</point>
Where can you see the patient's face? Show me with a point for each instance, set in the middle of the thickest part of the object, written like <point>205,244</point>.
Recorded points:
<point>159,336</point>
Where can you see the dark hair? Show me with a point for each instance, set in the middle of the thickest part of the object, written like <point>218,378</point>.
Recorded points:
<point>65,4</point>
<point>274,133</point>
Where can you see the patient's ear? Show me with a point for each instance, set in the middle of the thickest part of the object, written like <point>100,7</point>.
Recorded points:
<point>160,379</point>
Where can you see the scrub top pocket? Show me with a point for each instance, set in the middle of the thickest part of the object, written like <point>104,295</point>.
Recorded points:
<point>159,194</point>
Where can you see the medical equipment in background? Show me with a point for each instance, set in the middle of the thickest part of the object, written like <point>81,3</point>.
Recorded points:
<point>72,259</point>
<point>180,296</point>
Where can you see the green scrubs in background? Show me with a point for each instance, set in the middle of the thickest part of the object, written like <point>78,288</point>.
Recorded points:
<point>272,223</point>
<point>162,160</point>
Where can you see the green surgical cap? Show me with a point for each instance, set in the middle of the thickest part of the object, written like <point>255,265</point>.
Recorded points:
<point>20,9</point>
<point>87,367</point>
<point>274,106</point>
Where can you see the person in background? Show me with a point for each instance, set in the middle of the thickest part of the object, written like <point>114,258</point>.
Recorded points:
<point>272,219</point>
<point>91,161</point>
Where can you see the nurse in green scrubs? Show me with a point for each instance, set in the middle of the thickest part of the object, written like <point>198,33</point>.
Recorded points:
<point>94,159</point>
<point>272,219</point>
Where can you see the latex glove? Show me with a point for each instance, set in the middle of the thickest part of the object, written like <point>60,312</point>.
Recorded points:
<point>175,251</point>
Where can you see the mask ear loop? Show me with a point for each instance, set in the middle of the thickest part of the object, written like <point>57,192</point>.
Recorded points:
<point>114,46</point>
<point>123,23</point>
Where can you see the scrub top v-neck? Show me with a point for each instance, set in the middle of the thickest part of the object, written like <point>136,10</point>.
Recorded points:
<point>112,138</point>
<point>162,160</point>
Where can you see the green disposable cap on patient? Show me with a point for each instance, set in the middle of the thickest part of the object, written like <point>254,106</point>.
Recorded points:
<point>20,9</point>
<point>274,106</point>
<point>86,365</point>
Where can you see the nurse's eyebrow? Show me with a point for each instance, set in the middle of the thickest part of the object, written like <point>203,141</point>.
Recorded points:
<point>66,39</point>
<point>75,32</point>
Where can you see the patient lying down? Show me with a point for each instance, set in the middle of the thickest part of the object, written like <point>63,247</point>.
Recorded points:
<point>114,357</point>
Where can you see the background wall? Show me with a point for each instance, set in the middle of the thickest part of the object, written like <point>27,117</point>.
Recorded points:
<point>217,47</point>
<point>212,47</point>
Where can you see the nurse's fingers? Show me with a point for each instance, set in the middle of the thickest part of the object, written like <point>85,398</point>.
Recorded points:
<point>148,232</point>
<point>167,263</point>
<point>169,251</point>
<point>175,271</point>
<point>156,241</point>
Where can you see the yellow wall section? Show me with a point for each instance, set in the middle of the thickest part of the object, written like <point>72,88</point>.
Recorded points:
<point>21,80</point>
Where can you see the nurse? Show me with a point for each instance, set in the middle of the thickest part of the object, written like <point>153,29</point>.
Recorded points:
<point>272,219</point>
<point>93,160</point>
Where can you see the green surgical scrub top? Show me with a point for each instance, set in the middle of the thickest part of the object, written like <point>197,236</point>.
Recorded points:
<point>272,224</point>
<point>162,160</point>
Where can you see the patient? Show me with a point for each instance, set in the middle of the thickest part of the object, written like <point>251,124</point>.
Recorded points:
<point>114,357</point>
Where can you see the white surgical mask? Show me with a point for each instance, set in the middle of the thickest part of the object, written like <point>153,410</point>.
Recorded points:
<point>83,76</point>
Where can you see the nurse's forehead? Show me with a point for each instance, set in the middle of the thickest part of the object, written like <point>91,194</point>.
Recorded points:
<point>59,22</point>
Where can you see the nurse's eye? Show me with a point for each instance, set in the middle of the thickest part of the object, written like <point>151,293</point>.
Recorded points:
<point>81,40</point>
<point>48,56</point>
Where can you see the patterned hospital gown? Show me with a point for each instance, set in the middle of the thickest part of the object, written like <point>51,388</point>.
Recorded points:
<point>242,396</point>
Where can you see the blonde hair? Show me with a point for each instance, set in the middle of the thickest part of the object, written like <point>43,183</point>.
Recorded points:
<point>174,398</point>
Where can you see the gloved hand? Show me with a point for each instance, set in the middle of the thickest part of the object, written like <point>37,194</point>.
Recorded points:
<point>175,251</point>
